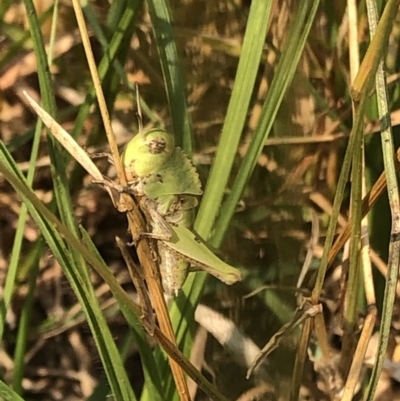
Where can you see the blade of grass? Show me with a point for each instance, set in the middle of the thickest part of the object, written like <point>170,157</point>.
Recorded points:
<point>354,282</point>
<point>24,325</point>
<point>344,174</point>
<point>253,45</point>
<point>78,278</point>
<point>17,245</point>
<point>15,261</point>
<point>173,73</point>
<point>152,376</point>
<point>365,78</point>
<point>393,189</point>
<point>284,73</point>
<point>7,393</point>
<point>53,31</point>
<point>58,169</point>
<point>359,240</point>
<point>134,219</point>
<point>301,355</point>
<point>283,76</point>
<point>357,365</point>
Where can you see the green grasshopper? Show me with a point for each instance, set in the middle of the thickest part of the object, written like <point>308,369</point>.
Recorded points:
<point>167,184</point>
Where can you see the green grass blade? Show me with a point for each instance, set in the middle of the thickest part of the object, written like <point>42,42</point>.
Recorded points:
<point>173,74</point>
<point>17,245</point>
<point>283,76</point>
<point>23,328</point>
<point>7,393</point>
<point>393,193</point>
<point>78,278</point>
<point>253,45</point>
<point>151,373</point>
<point>57,165</point>
<point>58,169</point>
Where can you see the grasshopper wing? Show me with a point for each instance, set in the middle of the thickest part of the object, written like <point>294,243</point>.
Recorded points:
<point>190,246</point>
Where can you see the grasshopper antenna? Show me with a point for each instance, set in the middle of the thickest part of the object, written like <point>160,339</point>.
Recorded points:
<point>139,108</point>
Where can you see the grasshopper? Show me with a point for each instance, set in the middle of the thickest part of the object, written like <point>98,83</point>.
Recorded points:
<point>166,183</point>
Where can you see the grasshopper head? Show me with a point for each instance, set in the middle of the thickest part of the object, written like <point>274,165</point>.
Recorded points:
<point>146,152</point>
